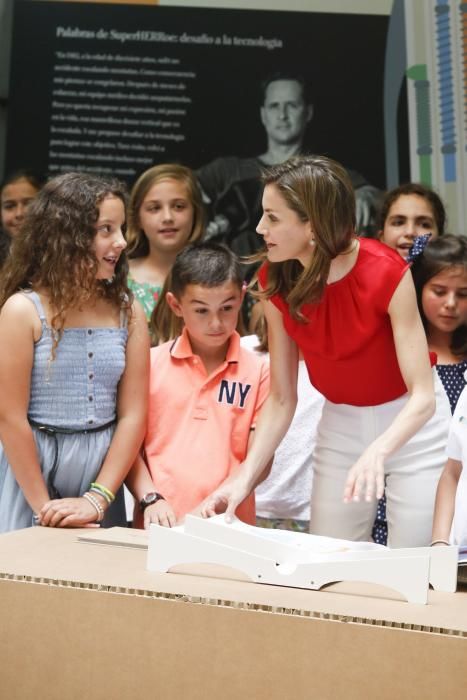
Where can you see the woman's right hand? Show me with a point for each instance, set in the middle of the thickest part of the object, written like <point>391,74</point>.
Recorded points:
<point>365,479</point>
<point>225,499</point>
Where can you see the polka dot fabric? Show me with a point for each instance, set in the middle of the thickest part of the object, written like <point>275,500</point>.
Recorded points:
<point>380,527</point>
<point>453,380</point>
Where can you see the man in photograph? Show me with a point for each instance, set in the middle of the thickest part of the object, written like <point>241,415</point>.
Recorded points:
<point>232,185</point>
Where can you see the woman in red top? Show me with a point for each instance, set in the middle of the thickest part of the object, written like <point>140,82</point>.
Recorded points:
<point>349,304</point>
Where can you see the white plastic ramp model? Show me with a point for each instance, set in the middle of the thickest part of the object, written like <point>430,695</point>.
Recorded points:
<point>300,560</point>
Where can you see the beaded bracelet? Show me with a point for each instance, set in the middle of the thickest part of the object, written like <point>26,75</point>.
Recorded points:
<point>99,493</point>
<point>103,490</point>
<point>439,542</point>
<point>94,502</point>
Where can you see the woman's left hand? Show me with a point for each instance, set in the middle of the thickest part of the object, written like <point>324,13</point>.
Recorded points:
<point>365,479</point>
<point>68,512</point>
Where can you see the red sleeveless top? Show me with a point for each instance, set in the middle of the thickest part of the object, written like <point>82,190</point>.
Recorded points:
<point>347,341</point>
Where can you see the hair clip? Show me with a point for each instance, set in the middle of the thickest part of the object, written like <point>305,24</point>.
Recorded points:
<point>418,246</point>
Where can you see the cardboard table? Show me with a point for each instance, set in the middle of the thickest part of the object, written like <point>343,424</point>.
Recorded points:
<point>88,620</point>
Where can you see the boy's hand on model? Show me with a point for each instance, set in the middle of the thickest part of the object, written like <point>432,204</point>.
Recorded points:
<point>365,479</point>
<point>160,513</point>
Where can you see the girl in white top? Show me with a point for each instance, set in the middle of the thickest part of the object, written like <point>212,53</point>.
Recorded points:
<point>450,519</point>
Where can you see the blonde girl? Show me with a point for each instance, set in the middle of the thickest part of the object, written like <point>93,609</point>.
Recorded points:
<point>165,213</point>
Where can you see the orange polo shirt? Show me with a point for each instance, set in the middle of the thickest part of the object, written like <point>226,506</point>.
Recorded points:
<point>199,425</point>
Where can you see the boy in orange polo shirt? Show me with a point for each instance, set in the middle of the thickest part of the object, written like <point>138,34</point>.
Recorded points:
<point>205,392</point>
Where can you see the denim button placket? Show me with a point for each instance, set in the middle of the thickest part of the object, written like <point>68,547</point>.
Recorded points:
<point>90,375</point>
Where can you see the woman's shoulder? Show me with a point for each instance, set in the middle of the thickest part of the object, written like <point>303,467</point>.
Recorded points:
<point>377,252</point>
<point>379,266</point>
<point>378,273</point>
<point>276,299</point>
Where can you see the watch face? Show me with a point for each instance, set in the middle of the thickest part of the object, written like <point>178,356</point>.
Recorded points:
<point>150,498</point>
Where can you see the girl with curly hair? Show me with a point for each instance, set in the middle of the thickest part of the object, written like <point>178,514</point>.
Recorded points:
<point>74,361</point>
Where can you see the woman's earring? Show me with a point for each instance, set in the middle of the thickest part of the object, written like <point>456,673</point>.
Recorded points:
<point>311,241</point>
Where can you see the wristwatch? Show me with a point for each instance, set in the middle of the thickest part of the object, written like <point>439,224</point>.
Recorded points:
<point>149,499</point>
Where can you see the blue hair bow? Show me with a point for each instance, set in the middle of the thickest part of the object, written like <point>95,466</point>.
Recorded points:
<point>418,246</point>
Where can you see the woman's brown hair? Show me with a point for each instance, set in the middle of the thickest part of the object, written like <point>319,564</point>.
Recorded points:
<point>318,190</point>
<point>138,245</point>
<point>54,248</point>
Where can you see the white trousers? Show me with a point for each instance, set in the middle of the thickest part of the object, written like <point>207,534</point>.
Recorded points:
<point>411,473</point>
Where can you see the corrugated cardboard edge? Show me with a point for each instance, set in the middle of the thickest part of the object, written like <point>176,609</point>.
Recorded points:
<point>462,574</point>
<point>221,603</point>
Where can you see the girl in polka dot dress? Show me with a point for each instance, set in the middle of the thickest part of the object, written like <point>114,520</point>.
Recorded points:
<point>440,276</point>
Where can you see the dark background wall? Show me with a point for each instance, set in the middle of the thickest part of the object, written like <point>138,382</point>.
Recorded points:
<point>340,55</point>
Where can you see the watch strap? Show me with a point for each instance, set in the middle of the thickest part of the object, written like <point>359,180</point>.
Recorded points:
<point>149,499</point>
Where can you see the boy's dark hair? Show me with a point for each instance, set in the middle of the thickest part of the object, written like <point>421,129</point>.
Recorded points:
<point>441,254</point>
<point>206,264</point>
